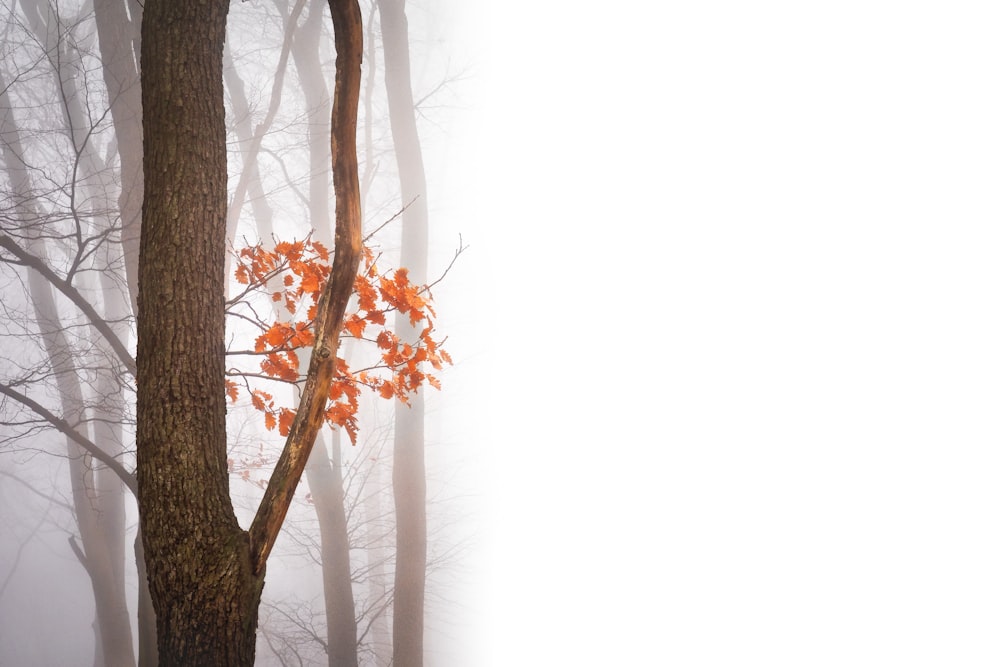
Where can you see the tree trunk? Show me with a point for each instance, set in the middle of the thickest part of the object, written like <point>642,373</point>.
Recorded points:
<point>118,35</point>
<point>205,573</point>
<point>324,472</point>
<point>203,586</point>
<point>97,491</point>
<point>325,477</point>
<point>409,476</point>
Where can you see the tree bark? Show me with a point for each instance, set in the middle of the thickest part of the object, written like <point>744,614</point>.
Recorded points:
<point>408,475</point>
<point>205,573</point>
<point>204,588</point>
<point>310,416</point>
<point>324,472</point>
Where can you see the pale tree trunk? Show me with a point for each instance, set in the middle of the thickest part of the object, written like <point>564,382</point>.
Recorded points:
<point>251,139</point>
<point>379,590</point>
<point>118,36</point>
<point>324,474</point>
<point>374,508</point>
<point>107,535</point>
<point>262,212</point>
<point>98,500</point>
<point>409,475</point>
<point>118,28</point>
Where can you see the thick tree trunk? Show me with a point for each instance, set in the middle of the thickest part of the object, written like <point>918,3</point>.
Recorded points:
<point>204,587</point>
<point>205,573</point>
<point>409,476</point>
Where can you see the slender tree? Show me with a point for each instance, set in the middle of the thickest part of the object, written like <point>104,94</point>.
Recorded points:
<point>98,491</point>
<point>409,471</point>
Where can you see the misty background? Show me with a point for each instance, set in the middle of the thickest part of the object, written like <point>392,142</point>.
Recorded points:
<point>725,339</point>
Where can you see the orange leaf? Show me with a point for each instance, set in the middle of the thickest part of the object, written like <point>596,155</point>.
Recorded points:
<point>384,340</point>
<point>285,421</point>
<point>310,282</point>
<point>355,325</point>
<point>277,334</point>
<point>269,421</point>
<point>258,398</point>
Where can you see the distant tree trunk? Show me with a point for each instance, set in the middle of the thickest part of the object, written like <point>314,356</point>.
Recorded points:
<point>202,582</point>
<point>97,492</point>
<point>409,475</point>
<point>325,476</point>
<point>118,33</point>
<point>379,547</point>
<point>324,472</point>
<point>118,28</point>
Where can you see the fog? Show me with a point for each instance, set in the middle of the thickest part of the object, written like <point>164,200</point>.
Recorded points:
<point>725,345</point>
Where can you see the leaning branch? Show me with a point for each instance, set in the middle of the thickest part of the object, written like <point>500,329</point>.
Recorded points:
<point>64,427</point>
<point>66,287</point>
<point>309,419</point>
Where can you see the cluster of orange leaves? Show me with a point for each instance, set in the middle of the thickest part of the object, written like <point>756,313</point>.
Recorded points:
<point>300,269</point>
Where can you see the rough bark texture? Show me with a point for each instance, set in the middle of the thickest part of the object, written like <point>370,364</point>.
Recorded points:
<point>408,475</point>
<point>203,586</point>
<point>205,573</point>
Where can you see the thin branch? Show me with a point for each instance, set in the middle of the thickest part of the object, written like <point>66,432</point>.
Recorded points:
<point>461,249</point>
<point>64,427</point>
<point>71,292</point>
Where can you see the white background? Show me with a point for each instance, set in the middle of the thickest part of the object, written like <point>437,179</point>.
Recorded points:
<point>735,292</point>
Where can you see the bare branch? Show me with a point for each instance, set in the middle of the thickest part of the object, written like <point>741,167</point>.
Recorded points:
<point>73,295</point>
<point>64,427</point>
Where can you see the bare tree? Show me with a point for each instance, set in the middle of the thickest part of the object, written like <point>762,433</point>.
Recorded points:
<point>409,470</point>
<point>77,222</point>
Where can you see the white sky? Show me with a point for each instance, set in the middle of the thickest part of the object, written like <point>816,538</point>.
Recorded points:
<point>740,330</point>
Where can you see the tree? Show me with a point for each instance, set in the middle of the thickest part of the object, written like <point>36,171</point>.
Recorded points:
<point>409,475</point>
<point>205,572</point>
<point>35,236</point>
<point>79,255</point>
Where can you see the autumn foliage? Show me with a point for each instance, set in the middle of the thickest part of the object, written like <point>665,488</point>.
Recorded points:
<point>292,274</point>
